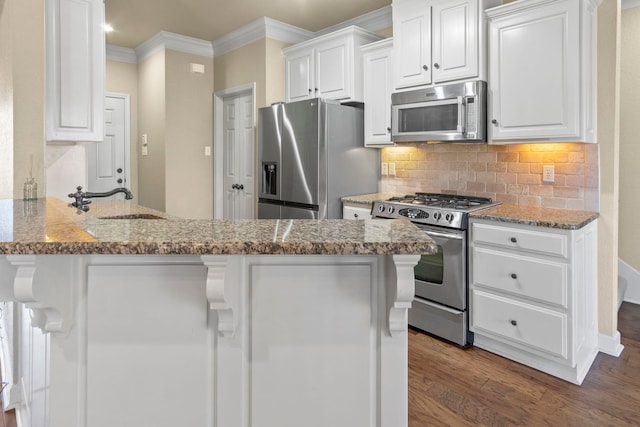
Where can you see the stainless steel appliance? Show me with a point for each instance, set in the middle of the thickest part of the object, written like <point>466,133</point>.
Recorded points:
<point>455,113</point>
<point>311,155</point>
<point>440,306</point>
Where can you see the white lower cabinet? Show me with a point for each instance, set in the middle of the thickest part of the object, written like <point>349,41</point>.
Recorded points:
<point>353,212</point>
<point>533,293</point>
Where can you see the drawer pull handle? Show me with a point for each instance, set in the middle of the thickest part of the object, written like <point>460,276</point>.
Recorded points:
<point>514,276</point>
<point>513,322</point>
<point>513,240</point>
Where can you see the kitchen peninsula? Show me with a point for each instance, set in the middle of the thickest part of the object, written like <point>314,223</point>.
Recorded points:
<point>127,316</point>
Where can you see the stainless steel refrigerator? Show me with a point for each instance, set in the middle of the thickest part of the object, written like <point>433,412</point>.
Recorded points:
<point>311,155</point>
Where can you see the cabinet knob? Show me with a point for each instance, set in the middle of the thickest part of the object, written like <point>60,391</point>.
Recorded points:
<point>388,130</point>
<point>119,181</point>
<point>495,122</point>
<point>119,170</point>
<point>424,67</point>
<point>513,240</point>
<point>514,276</point>
<point>309,91</point>
<point>316,89</point>
<point>436,66</point>
<point>513,322</point>
<point>355,215</point>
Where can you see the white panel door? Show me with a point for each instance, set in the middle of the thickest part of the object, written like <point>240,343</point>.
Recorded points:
<point>533,57</point>
<point>299,76</point>
<point>107,162</point>
<point>455,41</point>
<point>412,43</point>
<point>332,67</point>
<point>239,155</point>
<point>377,96</point>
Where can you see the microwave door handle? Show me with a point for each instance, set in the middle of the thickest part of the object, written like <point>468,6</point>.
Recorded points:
<point>461,115</point>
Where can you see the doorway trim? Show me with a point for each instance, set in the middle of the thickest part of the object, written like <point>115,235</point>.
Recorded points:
<point>218,141</point>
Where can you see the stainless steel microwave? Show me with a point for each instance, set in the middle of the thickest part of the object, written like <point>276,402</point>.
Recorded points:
<point>454,113</point>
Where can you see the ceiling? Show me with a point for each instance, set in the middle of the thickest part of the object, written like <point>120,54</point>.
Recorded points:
<point>135,21</point>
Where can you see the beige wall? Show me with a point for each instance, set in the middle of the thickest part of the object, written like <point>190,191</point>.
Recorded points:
<point>506,173</point>
<point>6,104</point>
<point>608,142</point>
<point>242,66</point>
<point>189,128</point>
<point>629,226</point>
<point>151,121</point>
<point>274,79</point>
<point>22,91</point>
<point>122,78</point>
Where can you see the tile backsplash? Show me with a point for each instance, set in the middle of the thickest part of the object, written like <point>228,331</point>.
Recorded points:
<point>507,173</point>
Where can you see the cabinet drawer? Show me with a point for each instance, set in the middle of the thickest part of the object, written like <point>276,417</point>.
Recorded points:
<point>527,240</point>
<point>350,212</point>
<point>529,277</point>
<point>522,323</point>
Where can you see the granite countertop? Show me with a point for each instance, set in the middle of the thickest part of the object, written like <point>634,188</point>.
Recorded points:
<point>368,199</point>
<point>566,219</point>
<point>50,226</point>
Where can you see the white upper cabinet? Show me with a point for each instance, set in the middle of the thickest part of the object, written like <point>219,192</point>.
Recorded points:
<point>542,71</point>
<point>439,41</point>
<point>412,40</point>
<point>455,40</point>
<point>377,93</point>
<point>75,70</point>
<point>328,66</point>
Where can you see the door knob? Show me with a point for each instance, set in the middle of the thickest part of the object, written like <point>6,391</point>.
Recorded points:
<point>240,187</point>
<point>119,170</point>
<point>234,186</point>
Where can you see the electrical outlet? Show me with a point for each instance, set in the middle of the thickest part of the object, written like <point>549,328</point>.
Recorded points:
<point>207,150</point>
<point>548,173</point>
<point>392,169</point>
<point>385,168</point>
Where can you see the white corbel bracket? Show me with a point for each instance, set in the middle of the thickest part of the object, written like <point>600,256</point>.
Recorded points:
<point>43,316</point>
<point>402,293</point>
<point>221,295</point>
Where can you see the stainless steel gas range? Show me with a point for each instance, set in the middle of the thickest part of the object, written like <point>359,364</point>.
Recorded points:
<point>440,306</point>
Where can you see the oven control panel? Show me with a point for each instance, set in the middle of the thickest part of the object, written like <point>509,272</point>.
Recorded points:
<point>422,215</point>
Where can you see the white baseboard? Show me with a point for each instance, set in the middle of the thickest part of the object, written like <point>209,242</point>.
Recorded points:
<point>629,279</point>
<point>610,344</point>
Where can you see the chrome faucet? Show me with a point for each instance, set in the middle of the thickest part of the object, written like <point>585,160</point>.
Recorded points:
<point>82,203</point>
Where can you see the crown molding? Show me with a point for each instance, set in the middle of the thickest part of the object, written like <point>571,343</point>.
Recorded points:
<point>257,30</point>
<point>373,21</point>
<point>167,40</point>
<point>121,54</point>
<point>628,4</point>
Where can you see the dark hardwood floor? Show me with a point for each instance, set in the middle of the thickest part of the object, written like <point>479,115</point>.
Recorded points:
<point>449,386</point>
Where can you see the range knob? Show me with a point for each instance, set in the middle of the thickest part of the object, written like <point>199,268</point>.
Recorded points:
<point>437,216</point>
<point>391,210</point>
<point>449,217</point>
<point>381,208</point>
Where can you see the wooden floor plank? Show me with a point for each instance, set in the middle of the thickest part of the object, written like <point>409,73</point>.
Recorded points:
<point>451,386</point>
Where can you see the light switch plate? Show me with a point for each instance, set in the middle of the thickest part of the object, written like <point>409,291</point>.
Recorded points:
<point>392,169</point>
<point>385,168</point>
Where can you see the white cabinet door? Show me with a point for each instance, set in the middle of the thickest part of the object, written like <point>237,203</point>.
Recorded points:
<point>333,66</point>
<point>455,40</point>
<point>412,41</point>
<point>75,70</point>
<point>299,76</point>
<point>377,93</point>
<point>541,71</point>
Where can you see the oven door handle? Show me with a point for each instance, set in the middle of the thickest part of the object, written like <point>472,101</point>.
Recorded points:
<point>443,235</point>
<point>438,306</point>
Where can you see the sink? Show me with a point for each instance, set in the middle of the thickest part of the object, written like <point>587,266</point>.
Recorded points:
<point>132,216</point>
